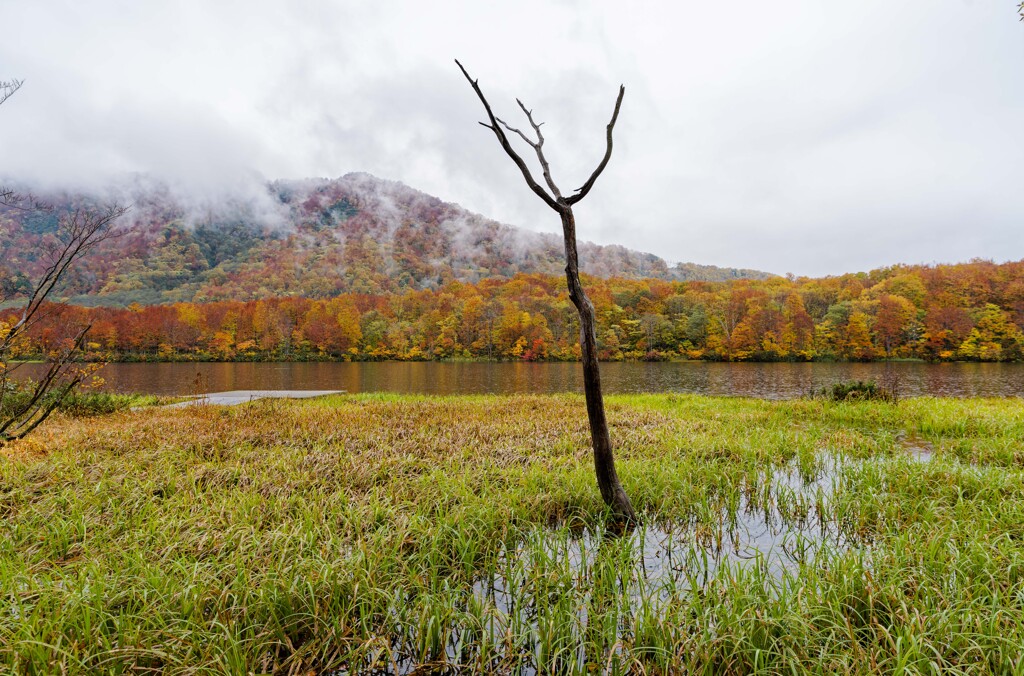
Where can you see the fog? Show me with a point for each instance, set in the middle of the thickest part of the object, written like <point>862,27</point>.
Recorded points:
<point>792,137</point>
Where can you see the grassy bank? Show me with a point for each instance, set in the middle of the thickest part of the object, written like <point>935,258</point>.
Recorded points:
<point>78,404</point>
<point>385,532</point>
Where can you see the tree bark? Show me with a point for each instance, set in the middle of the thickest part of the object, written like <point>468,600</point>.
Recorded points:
<point>612,492</point>
<point>604,462</point>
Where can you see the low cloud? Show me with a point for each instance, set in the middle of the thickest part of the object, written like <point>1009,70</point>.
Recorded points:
<point>797,137</point>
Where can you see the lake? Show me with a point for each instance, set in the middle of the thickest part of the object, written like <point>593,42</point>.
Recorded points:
<point>770,381</point>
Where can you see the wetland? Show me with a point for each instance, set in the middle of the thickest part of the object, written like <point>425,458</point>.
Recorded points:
<point>464,534</point>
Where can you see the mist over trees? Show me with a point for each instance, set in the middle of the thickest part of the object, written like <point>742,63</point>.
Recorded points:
<point>315,238</point>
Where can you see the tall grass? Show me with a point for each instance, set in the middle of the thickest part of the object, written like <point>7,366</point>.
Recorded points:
<point>77,404</point>
<point>380,532</point>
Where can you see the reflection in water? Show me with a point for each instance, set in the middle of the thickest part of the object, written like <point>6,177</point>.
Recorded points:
<point>769,381</point>
<point>760,380</point>
<point>559,577</point>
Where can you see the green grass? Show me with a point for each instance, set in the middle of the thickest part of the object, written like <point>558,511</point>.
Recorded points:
<point>79,404</point>
<point>392,531</point>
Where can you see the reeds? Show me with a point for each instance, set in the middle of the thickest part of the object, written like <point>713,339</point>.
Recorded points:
<point>466,534</point>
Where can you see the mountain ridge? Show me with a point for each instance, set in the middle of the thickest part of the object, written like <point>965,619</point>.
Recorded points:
<point>313,237</point>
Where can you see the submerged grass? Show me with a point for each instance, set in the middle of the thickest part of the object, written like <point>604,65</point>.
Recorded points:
<point>392,533</point>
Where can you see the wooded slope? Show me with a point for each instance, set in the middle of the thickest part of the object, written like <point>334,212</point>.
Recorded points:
<point>971,311</point>
<point>314,238</point>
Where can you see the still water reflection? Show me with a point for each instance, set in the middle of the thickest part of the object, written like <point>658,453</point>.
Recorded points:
<point>771,381</point>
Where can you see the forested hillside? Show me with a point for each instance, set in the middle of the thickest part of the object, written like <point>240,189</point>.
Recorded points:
<point>971,311</point>
<point>315,238</point>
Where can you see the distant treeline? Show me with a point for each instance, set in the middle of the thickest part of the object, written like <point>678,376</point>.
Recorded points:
<point>971,311</point>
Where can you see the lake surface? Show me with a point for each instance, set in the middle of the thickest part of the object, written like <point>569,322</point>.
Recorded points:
<point>770,381</point>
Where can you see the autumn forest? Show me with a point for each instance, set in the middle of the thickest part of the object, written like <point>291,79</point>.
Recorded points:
<point>359,268</point>
<point>971,311</point>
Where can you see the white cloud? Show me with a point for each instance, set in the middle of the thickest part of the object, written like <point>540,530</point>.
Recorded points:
<point>795,136</point>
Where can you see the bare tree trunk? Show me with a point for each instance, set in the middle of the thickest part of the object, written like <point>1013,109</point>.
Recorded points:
<point>604,462</point>
<point>611,488</point>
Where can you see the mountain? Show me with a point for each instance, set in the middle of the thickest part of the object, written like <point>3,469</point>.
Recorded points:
<point>315,238</point>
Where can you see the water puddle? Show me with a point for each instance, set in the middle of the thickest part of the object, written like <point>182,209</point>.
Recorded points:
<point>918,448</point>
<point>775,523</point>
<point>546,587</point>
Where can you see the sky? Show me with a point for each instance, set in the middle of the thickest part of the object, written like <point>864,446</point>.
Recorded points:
<point>801,137</point>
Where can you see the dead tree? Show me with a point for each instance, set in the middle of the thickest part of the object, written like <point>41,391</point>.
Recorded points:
<point>7,88</point>
<point>604,461</point>
<point>79,231</point>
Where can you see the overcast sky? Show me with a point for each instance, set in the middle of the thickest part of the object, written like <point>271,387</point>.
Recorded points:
<point>807,137</point>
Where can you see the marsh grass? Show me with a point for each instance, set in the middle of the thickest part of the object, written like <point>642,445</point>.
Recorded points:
<point>395,533</point>
<point>78,404</point>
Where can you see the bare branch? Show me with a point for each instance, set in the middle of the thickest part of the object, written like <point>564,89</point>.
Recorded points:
<point>539,147</point>
<point>79,232</point>
<point>8,87</point>
<point>43,413</point>
<point>532,144</point>
<point>495,126</point>
<point>585,188</point>
<point>21,201</point>
<point>8,196</point>
<point>611,488</point>
<point>24,418</point>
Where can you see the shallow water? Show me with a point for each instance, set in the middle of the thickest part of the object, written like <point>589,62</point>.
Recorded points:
<point>919,449</point>
<point>777,525</point>
<point>780,523</point>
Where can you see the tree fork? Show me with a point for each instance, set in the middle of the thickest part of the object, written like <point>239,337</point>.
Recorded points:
<point>612,492</point>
